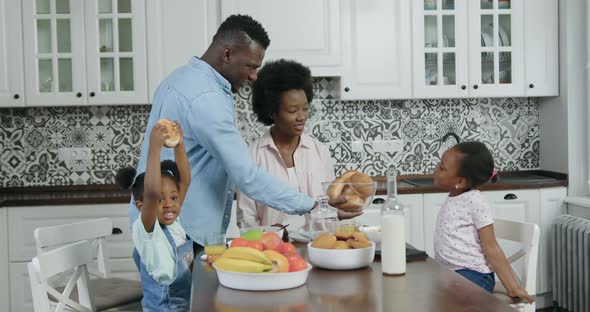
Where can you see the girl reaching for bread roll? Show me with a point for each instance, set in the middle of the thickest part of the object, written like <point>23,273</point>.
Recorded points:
<point>165,251</point>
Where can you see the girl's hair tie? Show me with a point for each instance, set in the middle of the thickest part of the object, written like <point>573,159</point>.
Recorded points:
<point>494,173</point>
<point>132,182</point>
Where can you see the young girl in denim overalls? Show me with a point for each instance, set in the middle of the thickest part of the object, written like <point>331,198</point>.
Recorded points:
<point>165,251</point>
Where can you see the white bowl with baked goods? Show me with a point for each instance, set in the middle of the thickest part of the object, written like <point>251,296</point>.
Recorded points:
<point>335,252</point>
<point>357,186</point>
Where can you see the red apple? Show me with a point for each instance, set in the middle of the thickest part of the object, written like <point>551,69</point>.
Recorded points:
<point>296,263</point>
<point>272,241</point>
<point>256,245</point>
<point>288,249</point>
<point>239,242</point>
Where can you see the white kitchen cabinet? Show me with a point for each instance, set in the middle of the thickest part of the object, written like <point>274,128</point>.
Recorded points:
<point>4,278</point>
<point>541,46</point>
<point>177,31</point>
<point>496,48</point>
<point>307,31</point>
<point>440,64</point>
<point>432,204</point>
<point>552,205</point>
<point>414,217</point>
<point>84,52</point>
<point>377,51</point>
<point>12,85</point>
<point>21,222</point>
<point>480,48</point>
<point>24,220</point>
<point>21,298</point>
<point>514,205</point>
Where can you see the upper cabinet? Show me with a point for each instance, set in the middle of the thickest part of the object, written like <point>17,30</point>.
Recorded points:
<point>480,48</point>
<point>541,44</point>
<point>12,84</point>
<point>377,51</point>
<point>307,31</point>
<point>177,31</point>
<point>84,52</point>
<point>71,52</point>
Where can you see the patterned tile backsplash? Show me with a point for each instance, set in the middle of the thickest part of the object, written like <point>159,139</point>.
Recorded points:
<point>34,140</point>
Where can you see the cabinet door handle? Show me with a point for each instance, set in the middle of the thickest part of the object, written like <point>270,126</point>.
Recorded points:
<point>117,231</point>
<point>463,87</point>
<point>378,201</point>
<point>92,94</point>
<point>16,96</point>
<point>346,89</point>
<point>531,86</point>
<point>475,87</point>
<point>79,94</point>
<point>510,196</point>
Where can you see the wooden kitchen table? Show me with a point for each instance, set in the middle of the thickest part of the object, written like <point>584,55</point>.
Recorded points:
<point>427,286</point>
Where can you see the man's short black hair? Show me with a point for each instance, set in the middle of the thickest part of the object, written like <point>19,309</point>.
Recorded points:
<point>275,78</point>
<point>243,29</point>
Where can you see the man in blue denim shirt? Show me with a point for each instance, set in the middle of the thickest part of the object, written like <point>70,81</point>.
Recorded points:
<point>199,96</point>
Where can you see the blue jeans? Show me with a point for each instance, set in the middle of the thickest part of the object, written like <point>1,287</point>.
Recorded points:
<point>486,281</point>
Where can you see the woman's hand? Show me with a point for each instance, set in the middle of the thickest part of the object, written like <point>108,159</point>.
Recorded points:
<point>349,214</point>
<point>344,214</point>
<point>521,293</point>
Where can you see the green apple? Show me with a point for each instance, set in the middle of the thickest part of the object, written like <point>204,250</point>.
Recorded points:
<point>253,235</point>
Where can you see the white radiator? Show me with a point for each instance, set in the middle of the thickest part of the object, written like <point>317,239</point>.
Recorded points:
<point>571,263</point>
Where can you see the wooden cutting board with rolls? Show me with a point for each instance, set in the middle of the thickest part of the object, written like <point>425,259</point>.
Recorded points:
<point>356,185</point>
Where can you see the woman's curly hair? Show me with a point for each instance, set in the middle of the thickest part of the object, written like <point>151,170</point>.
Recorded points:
<point>275,78</point>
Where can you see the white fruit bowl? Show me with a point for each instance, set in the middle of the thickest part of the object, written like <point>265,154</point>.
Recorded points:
<point>341,259</point>
<point>262,281</point>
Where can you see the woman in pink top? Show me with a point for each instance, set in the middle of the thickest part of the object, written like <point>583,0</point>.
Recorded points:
<point>280,99</point>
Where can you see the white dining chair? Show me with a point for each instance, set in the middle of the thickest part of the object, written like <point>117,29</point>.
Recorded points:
<point>108,292</point>
<point>70,262</point>
<point>527,234</point>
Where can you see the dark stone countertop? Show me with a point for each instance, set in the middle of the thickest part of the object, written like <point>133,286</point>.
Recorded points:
<point>112,194</point>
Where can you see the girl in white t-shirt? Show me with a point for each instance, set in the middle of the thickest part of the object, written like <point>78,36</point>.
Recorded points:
<point>163,251</point>
<point>464,237</point>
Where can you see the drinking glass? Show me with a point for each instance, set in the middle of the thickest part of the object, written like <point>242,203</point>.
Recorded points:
<point>215,244</point>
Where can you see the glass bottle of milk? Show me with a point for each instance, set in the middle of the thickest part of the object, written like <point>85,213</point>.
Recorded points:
<point>393,240</point>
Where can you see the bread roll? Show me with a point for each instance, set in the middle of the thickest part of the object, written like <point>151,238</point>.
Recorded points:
<point>347,175</point>
<point>335,189</point>
<point>366,189</point>
<point>354,202</point>
<point>174,138</point>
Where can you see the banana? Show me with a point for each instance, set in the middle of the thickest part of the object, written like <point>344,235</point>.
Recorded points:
<point>247,253</point>
<point>238,265</point>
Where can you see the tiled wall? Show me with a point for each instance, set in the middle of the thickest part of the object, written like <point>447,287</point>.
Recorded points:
<point>31,138</point>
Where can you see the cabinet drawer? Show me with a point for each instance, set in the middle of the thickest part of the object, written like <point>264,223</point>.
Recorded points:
<point>22,221</point>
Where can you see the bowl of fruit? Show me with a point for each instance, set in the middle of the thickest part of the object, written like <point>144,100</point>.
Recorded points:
<point>256,232</point>
<point>358,187</point>
<point>341,251</point>
<point>267,263</point>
